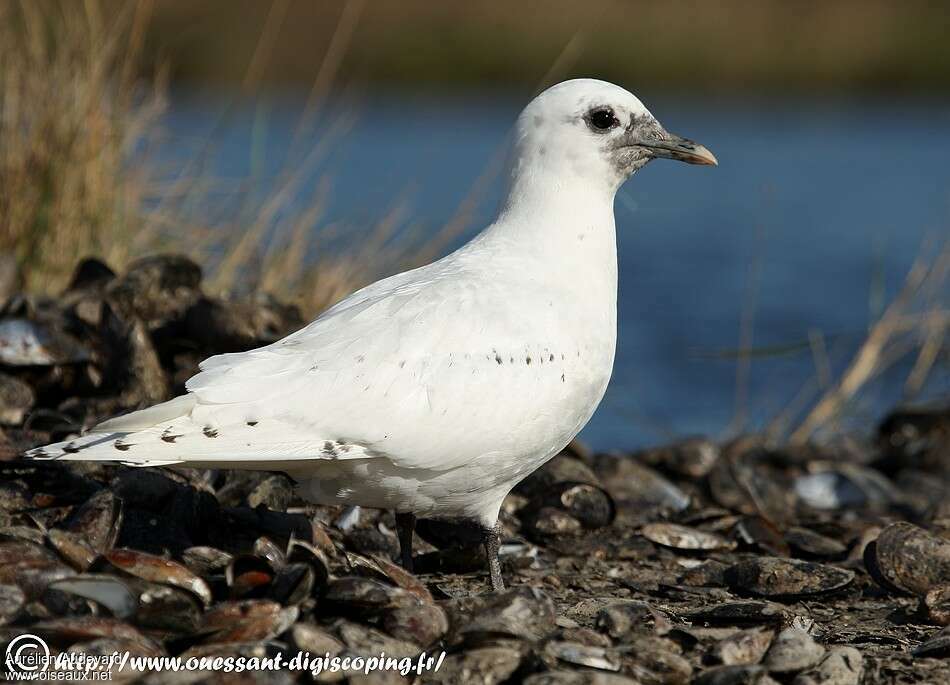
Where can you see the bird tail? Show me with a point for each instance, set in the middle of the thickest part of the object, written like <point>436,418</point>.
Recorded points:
<point>104,441</point>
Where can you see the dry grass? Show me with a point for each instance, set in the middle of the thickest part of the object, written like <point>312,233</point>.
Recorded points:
<point>914,326</point>
<point>77,126</point>
<point>71,112</point>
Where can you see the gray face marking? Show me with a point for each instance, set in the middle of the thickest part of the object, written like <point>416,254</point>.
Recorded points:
<point>616,131</point>
<point>627,157</point>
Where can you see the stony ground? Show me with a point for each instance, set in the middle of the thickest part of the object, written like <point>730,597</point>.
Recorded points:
<point>746,562</point>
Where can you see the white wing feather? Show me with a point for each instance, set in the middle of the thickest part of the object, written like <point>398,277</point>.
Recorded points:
<point>380,375</point>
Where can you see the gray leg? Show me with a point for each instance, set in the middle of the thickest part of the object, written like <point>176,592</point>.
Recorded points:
<point>405,526</point>
<point>492,542</point>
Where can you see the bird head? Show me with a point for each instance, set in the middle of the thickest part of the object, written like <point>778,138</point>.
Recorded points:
<point>596,131</point>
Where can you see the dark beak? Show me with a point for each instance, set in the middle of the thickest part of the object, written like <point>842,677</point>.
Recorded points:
<point>674,147</point>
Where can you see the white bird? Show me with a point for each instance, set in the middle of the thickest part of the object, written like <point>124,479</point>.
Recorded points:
<point>433,392</point>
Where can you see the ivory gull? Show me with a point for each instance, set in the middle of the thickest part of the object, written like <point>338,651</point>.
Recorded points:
<point>434,391</point>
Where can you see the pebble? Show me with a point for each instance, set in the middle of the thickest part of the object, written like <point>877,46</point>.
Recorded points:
<point>680,537</point>
<point>807,543</point>
<point>842,665</point>
<point>743,647</point>
<point>525,613</point>
<point>739,613</point>
<point>578,678</point>
<point>690,458</point>
<point>775,577</point>
<point>622,619</point>
<point>38,343</point>
<point>16,400</point>
<point>655,660</point>
<point>937,647</point>
<point>586,656</point>
<point>424,624</point>
<point>735,675</point>
<point>481,666</point>
<point>793,650</point>
<point>908,558</point>
<point>159,570</point>
<point>936,605</point>
<point>12,601</point>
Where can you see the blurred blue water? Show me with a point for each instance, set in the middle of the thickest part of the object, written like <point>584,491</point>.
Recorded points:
<point>818,209</point>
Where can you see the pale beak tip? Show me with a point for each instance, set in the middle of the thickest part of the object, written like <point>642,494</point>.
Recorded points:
<point>704,156</point>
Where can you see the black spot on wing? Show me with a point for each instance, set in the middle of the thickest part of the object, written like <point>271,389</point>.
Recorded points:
<point>121,446</point>
<point>251,423</point>
<point>209,432</point>
<point>70,448</point>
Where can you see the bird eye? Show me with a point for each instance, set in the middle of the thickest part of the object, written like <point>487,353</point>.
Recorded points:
<point>602,119</point>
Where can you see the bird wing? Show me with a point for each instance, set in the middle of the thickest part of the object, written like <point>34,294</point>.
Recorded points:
<point>428,369</point>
